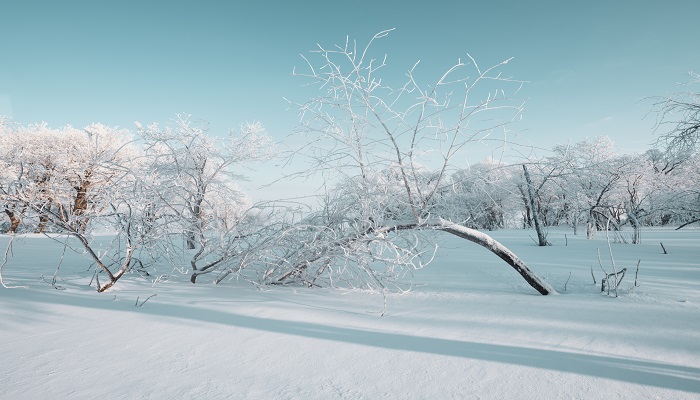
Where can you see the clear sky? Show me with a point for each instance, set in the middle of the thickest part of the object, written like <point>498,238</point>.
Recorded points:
<point>227,62</point>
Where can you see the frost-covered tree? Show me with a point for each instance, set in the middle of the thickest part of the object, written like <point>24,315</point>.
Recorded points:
<point>593,173</point>
<point>193,182</point>
<point>679,120</point>
<point>67,178</point>
<point>480,196</point>
<point>66,169</point>
<point>640,183</point>
<point>677,198</point>
<point>28,158</point>
<point>363,121</point>
<point>7,178</point>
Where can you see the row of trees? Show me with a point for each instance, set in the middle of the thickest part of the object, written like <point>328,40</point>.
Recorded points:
<point>174,179</point>
<point>389,151</point>
<point>587,184</point>
<point>584,184</point>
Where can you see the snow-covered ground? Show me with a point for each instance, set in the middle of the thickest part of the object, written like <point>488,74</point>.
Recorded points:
<point>470,328</point>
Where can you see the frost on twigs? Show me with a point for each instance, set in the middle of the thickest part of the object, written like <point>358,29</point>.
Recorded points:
<point>8,251</point>
<point>393,140</point>
<point>167,192</point>
<point>70,181</point>
<point>613,280</point>
<point>194,192</point>
<point>678,121</point>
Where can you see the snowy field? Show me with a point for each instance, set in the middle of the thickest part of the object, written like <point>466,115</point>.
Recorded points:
<point>470,328</point>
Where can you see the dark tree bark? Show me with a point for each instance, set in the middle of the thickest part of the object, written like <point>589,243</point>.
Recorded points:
<point>541,236</point>
<point>80,204</point>
<point>15,220</point>
<point>43,216</point>
<point>637,237</point>
<point>688,223</point>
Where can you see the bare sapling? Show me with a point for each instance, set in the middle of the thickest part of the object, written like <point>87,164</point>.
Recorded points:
<point>144,302</point>
<point>617,275</point>
<point>200,198</point>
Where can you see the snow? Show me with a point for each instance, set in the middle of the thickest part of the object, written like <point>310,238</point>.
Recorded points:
<point>470,328</point>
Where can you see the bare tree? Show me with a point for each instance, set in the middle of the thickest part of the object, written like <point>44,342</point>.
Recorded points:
<point>541,235</point>
<point>194,183</point>
<point>363,122</point>
<point>593,173</point>
<point>678,117</point>
<point>479,196</point>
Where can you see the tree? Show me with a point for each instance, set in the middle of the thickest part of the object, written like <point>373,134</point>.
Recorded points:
<point>549,202</point>
<point>679,119</point>
<point>34,169</point>
<point>479,196</point>
<point>44,164</point>
<point>193,183</point>
<point>593,171</point>
<point>677,199</point>
<point>362,122</point>
<point>68,174</point>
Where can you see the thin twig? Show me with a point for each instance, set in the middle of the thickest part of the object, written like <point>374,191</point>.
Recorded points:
<point>8,250</point>
<point>58,267</point>
<point>144,302</point>
<point>612,259</point>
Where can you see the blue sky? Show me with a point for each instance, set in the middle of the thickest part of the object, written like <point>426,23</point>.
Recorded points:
<point>77,62</point>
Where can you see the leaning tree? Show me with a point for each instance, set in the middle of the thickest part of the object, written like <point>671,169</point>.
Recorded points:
<point>363,122</point>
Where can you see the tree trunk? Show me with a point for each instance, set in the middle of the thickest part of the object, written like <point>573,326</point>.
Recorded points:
<point>80,204</point>
<point>196,227</point>
<point>14,221</point>
<point>204,269</point>
<point>637,237</point>
<point>502,252</point>
<point>688,223</point>
<point>484,240</point>
<point>590,226</point>
<point>190,240</point>
<point>527,218</point>
<point>43,217</point>
<point>541,236</point>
